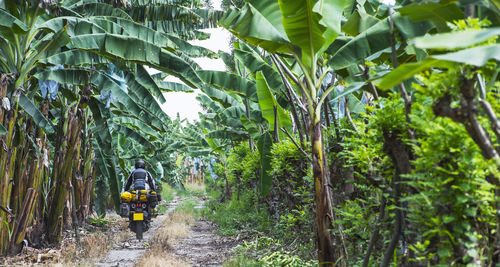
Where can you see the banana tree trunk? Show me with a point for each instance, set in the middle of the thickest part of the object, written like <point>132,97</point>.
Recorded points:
<point>64,162</point>
<point>22,221</point>
<point>7,160</point>
<point>326,252</point>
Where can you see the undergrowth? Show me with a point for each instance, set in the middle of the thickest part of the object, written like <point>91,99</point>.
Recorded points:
<point>279,223</point>
<point>167,195</point>
<point>266,251</point>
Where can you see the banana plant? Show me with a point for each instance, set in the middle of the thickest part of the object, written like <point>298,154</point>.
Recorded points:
<point>32,38</point>
<point>302,30</point>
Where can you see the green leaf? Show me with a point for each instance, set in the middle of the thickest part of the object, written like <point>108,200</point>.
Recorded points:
<point>12,23</point>
<point>2,130</point>
<point>228,60</point>
<point>438,13</point>
<point>134,134</point>
<point>144,78</point>
<point>454,40</point>
<point>250,126</point>
<point>301,21</point>
<point>270,9</point>
<point>230,82</point>
<point>255,63</point>
<point>30,108</point>
<point>406,71</point>
<point>477,56</point>
<point>367,43</point>
<point>136,50</point>
<point>98,9</point>
<point>252,26</point>
<point>75,57</point>
<point>174,87</point>
<point>331,18</point>
<point>231,116</point>
<point>375,39</point>
<point>351,88</point>
<point>139,102</point>
<point>138,125</point>
<point>268,103</point>
<point>105,152</point>
<point>358,22</point>
<point>221,96</point>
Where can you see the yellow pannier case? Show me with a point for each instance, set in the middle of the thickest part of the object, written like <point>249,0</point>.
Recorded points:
<point>126,196</point>
<point>132,196</point>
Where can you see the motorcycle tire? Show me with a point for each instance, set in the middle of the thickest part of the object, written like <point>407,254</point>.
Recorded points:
<point>138,230</point>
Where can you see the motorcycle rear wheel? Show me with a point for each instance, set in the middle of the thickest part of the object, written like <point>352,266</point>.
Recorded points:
<point>138,230</point>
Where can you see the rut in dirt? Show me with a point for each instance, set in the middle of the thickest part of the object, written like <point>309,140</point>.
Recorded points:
<point>130,251</point>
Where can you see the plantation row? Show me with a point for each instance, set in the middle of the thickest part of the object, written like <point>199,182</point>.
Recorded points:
<point>341,133</point>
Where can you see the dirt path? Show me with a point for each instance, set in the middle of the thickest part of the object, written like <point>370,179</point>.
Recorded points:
<point>203,247</point>
<point>185,241</point>
<point>128,252</point>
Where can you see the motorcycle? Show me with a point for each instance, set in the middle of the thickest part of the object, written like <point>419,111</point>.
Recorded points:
<point>140,207</point>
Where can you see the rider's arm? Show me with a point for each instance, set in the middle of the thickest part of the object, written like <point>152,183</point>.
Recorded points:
<point>151,181</point>
<point>129,182</point>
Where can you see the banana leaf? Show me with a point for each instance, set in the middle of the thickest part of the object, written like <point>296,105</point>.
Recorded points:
<point>105,153</point>
<point>268,103</point>
<point>30,108</point>
<point>230,82</point>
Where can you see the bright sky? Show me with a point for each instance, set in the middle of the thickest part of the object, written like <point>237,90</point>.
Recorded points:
<point>185,103</point>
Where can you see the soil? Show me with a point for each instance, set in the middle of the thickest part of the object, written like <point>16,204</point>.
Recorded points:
<point>129,251</point>
<point>203,247</point>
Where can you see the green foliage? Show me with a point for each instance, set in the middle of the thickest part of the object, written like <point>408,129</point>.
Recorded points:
<point>167,195</point>
<point>243,165</point>
<point>293,189</point>
<point>238,214</point>
<point>189,206</point>
<point>366,151</point>
<point>285,214</point>
<point>284,157</point>
<point>265,251</point>
<point>99,221</point>
<point>454,206</point>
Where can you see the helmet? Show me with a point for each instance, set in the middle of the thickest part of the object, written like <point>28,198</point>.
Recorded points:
<point>140,164</point>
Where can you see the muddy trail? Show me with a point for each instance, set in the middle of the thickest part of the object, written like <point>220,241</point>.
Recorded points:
<point>200,245</point>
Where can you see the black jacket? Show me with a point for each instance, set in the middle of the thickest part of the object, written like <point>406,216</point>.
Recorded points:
<point>140,173</point>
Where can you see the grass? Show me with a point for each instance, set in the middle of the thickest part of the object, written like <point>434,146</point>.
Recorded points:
<point>95,245</point>
<point>235,216</point>
<point>241,261</point>
<point>177,225</point>
<point>193,190</point>
<point>167,195</point>
<point>189,206</point>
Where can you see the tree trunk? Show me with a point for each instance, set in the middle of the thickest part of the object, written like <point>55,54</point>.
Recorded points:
<point>64,161</point>
<point>22,221</point>
<point>397,151</point>
<point>7,160</point>
<point>324,216</point>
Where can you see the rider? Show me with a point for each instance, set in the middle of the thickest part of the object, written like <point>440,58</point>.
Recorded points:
<point>139,177</point>
<point>141,180</point>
